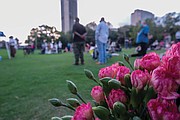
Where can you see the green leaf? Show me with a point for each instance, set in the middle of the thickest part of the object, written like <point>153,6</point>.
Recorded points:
<point>67,117</point>
<point>136,118</point>
<point>150,94</point>
<point>105,80</point>
<point>73,102</point>
<point>127,79</point>
<point>101,112</point>
<point>137,97</point>
<point>89,74</point>
<point>120,111</point>
<point>72,87</point>
<point>56,102</point>
<point>105,83</point>
<point>134,97</point>
<point>114,84</point>
<point>126,57</point>
<point>56,118</point>
<point>119,107</point>
<point>121,63</point>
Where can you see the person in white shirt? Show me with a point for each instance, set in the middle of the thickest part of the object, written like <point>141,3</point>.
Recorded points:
<point>12,44</point>
<point>101,37</point>
<point>59,47</point>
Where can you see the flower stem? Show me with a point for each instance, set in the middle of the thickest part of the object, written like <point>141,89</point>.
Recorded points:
<point>97,82</point>
<point>65,105</point>
<point>142,111</point>
<point>79,96</point>
<point>130,65</point>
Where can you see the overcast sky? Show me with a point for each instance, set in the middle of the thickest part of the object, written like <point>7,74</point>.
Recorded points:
<point>18,17</point>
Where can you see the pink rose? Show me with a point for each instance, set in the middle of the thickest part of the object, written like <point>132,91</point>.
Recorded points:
<point>109,71</point>
<point>150,61</point>
<point>83,112</point>
<point>162,82</point>
<point>139,79</point>
<point>116,95</point>
<point>172,64</point>
<point>163,110</point>
<point>174,50</point>
<point>137,63</point>
<point>171,116</point>
<point>171,61</point>
<point>97,94</point>
<point>115,65</point>
<point>97,119</point>
<point>122,71</point>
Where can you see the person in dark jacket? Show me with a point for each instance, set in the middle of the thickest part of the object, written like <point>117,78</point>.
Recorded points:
<point>79,32</point>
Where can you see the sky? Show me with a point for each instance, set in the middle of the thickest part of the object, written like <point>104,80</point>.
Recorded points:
<point>18,17</point>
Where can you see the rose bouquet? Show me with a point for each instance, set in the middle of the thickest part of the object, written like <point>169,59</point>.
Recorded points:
<point>147,91</point>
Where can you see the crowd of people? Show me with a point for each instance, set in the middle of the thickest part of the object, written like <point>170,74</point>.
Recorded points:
<point>102,47</point>
<point>51,48</point>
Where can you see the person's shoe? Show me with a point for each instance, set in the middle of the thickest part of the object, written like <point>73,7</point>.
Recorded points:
<point>76,64</point>
<point>98,63</point>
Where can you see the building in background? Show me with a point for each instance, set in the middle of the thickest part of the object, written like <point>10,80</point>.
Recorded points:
<point>68,14</point>
<point>140,15</point>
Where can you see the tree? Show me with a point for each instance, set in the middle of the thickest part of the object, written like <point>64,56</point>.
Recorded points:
<point>109,25</point>
<point>113,35</point>
<point>43,32</point>
<point>90,27</point>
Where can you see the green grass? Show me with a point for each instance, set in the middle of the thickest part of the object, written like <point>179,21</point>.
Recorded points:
<point>27,82</point>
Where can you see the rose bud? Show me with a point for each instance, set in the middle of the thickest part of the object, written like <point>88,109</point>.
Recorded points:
<point>72,87</point>
<point>97,94</point>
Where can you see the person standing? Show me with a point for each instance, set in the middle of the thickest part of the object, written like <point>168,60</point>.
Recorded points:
<point>101,37</point>
<point>177,35</point>
<point>142,40</point>
<point>12,44</point>
<point>59,47</point>
<point>79,33</point>
<point>126,43</point>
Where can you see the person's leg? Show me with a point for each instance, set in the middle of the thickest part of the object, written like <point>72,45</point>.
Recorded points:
<point>11,51</point>
<point>125,45</point>
<point>81,50</point>
<point>100,51</point>
<point>135,55</point>
<point>143,49</point>
<point>138,49</point>
<point>140,52</point>
<point>76,53</point>
<point>104,56</point>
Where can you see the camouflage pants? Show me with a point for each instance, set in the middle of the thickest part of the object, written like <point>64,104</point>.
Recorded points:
<point>78,49</point>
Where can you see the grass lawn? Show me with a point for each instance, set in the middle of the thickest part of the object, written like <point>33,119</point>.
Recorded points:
<point>27,82</point>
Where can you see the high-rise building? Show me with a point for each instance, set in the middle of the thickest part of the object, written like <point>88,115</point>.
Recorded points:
<point>68,14</point>
<point>140,15</point>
